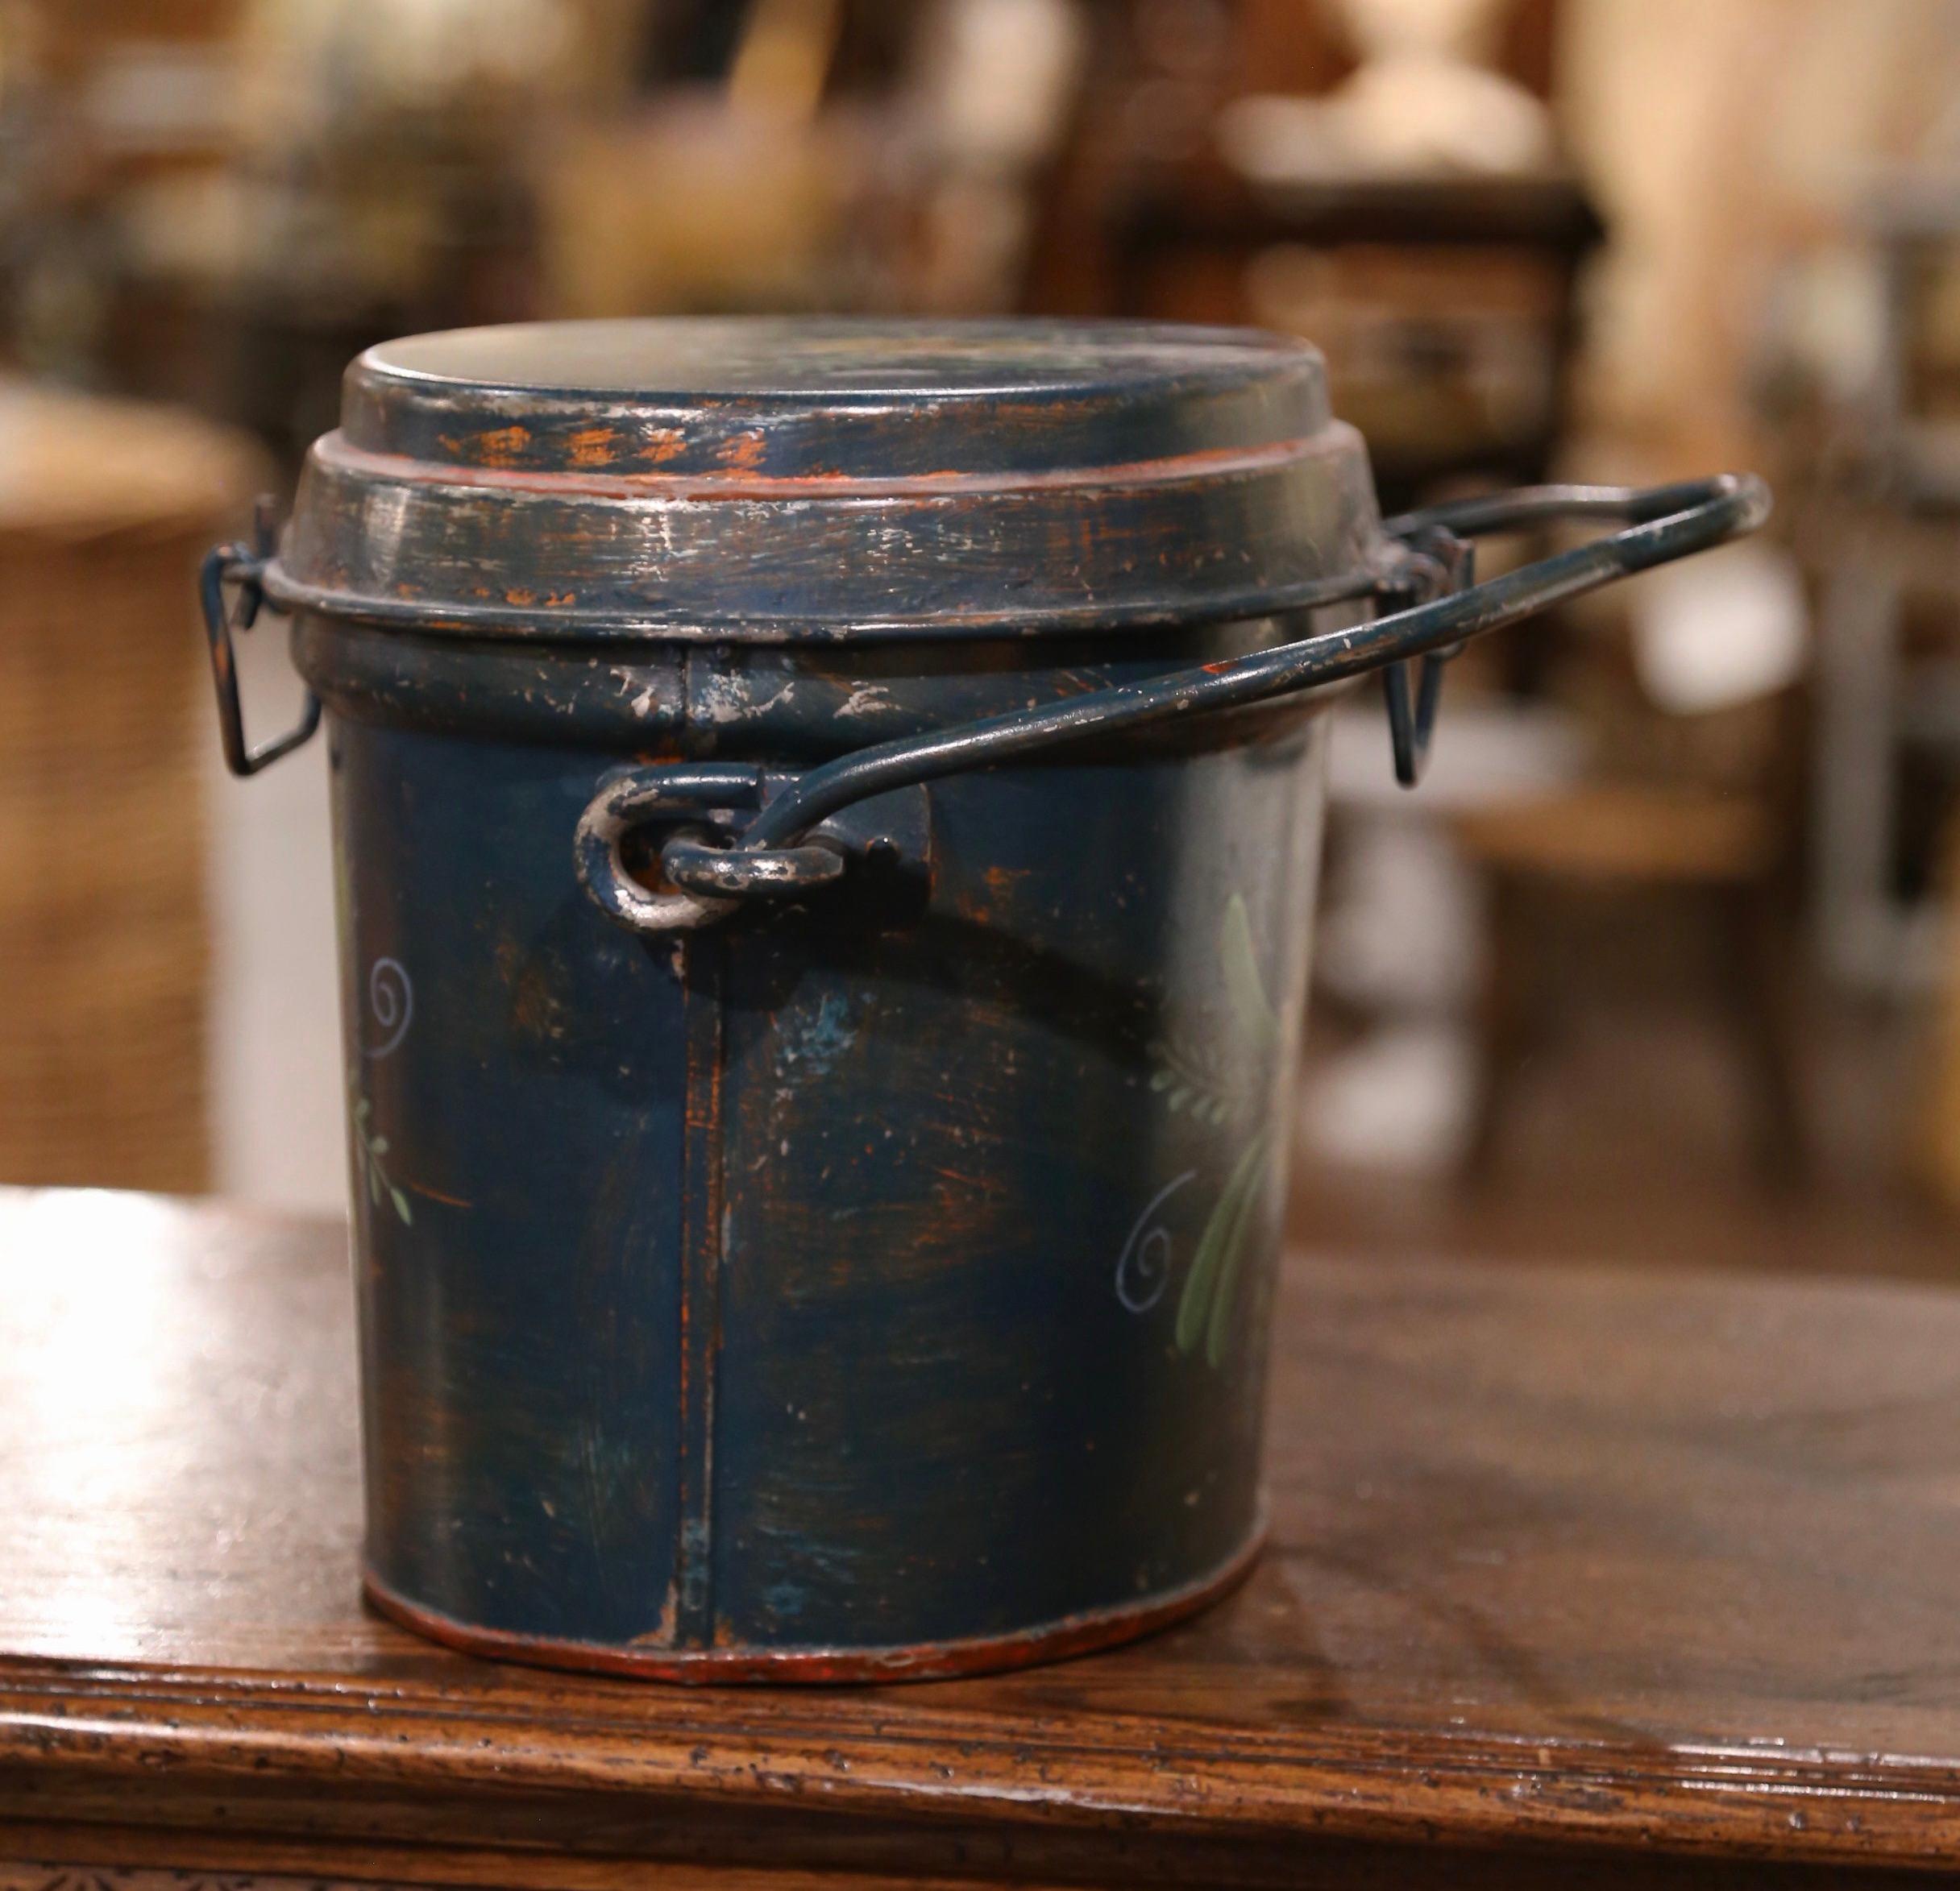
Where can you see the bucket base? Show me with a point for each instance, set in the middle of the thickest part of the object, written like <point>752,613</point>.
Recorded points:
<point>1051,1641</point>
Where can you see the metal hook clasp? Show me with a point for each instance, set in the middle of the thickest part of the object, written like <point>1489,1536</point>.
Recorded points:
<point>242,567</point>
<point>704,853</point>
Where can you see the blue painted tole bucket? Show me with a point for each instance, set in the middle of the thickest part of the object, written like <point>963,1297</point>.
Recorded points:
<point>826,819</point>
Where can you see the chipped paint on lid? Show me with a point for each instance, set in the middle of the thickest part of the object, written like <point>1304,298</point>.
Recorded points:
<point>780,479</point>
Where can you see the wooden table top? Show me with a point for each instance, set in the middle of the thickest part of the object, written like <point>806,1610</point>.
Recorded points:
<point>1658,1576</point>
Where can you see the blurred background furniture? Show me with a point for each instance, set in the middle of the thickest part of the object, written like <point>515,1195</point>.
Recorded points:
<point>1884,504</point>
<point>1622,847</point>
<point>1385,178</point>
<point>105,509</point>
<point>1679,839</point>
<point>1938,1165</point>
<point>1446,306</point>
<point>1618,241</point>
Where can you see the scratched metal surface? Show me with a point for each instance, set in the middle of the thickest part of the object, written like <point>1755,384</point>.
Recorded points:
<point>773,481</point>
<point>789,396</point>
<point>877,1283</point>
<point>945,1394</point>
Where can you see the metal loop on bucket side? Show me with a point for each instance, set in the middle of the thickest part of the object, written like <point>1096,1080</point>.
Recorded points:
<point>239,569</point>
<point>1412,713</point>
<point>712,877</point>
<point>638,799</point>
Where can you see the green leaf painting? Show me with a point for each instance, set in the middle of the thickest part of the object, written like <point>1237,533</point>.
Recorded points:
<point>1204,1310</point>
<point>1219,1078</point>
<point>1243,987</point>
<point>368,1149</point>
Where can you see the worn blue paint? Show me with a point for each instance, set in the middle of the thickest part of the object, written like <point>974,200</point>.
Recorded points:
<point>812,1050</point>
<point>812,1294</point>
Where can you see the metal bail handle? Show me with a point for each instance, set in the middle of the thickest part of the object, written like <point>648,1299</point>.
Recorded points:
<point>1660,523</point>
<point>243,567</point>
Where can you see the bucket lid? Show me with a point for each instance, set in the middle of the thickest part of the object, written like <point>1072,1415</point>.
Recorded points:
<point>770,478</point>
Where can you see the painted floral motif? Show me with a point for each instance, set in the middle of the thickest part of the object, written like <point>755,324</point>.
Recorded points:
<point>1222,1081</point>
<point>368,1149</point>
<point>391,1004</point>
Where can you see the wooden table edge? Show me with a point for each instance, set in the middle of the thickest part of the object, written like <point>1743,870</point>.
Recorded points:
<point>77,1729</point>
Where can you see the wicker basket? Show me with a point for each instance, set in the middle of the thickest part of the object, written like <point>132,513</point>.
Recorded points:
<point>104,939</point>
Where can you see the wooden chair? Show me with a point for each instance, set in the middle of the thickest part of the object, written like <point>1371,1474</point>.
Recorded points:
<point>1721,840</point>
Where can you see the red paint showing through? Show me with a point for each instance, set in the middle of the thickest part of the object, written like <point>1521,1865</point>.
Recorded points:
<point>930,1661</point>
<point>334,451</point>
